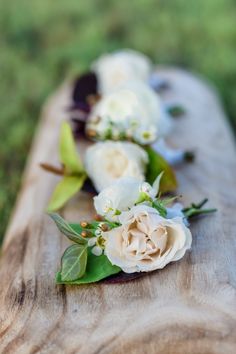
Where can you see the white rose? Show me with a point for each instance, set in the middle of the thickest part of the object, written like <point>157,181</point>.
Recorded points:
<point>107,161</point>
<point>119,67</point>
<point>134,110</point>
<point>122,195</point>
<point>145,241</point>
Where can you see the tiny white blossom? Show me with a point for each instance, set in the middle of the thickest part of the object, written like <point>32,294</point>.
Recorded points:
<point>145,187</point>
<point>145,136</point>
<point>135,108</point>
<point>92,241</point>
<point>98,232</point>
<point>97,251</point>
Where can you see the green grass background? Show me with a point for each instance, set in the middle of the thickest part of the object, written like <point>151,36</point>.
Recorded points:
<point>42,42</point>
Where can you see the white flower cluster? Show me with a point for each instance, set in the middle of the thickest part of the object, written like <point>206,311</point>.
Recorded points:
<point>128,109</point>
<point>135,229</point>
<point>143,240</point>
<point>129,114</point>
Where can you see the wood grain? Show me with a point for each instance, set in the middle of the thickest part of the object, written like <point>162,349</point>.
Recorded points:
<point>188,307</point>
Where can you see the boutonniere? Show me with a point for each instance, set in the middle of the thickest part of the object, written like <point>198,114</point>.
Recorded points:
<point>103,163</point>
<point>117,100</point>
<point>137,232</point>
<point>133,112</point>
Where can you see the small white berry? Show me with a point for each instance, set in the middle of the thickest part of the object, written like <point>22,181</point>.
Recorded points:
<point>97,251</point>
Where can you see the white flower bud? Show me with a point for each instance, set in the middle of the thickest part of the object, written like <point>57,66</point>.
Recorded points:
<point>97,251</point>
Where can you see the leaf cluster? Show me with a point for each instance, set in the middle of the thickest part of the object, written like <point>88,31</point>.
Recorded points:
<point>78,264</point>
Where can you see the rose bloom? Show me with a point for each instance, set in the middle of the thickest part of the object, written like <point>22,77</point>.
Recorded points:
<point>145,241</point>
<point>133,110</point>
<point>119,67</point>
<point>107,161</point>
<point>121,196</point>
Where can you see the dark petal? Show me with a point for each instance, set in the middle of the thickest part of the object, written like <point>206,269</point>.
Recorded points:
<point>80,106</point>
<point>79,116</point>
<point>78,127</point>
<point>88,187</point>
<point>84,86</point>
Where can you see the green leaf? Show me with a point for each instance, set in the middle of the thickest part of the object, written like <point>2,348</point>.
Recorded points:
<point>72,233</point>
<point>76,227</point>
<point>157,181</point>
<point>160,208</point>
<point>68,152</point>
<point>98,268</point>
<point>73,263</point>
<point>156,165</point>
<point>65,189</point>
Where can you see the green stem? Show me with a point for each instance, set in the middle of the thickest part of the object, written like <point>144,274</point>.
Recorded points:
<point>194,212</point>
<point>200,205</point>
<point>196,209</point>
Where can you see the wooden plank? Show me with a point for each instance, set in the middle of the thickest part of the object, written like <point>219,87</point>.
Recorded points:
<point>188,307</point>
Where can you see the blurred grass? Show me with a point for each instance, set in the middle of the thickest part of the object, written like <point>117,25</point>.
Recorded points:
<point>43,41</point>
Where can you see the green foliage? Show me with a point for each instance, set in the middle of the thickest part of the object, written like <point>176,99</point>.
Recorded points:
<point>160,207</point>
<point>74,259</point>
<point>74,173</point>
<point>78,264</point>
<point>73,263</point>
<point>68,154</point>
<point>65,189</point>
<point>42,42</point>
<point>197,209</point>
<point>157,164</point>
<point>68,230</point>
<point>98,268</point>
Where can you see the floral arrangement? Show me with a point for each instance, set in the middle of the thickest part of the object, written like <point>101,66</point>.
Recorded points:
<point>117,110</point>
<point>116,106</point>
<point>135,232</point>
<point>119,100</point>
<point>116,159</point>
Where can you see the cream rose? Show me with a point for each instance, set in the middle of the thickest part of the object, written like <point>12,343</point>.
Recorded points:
<point>107,161</point>
<point>145,241</point>
<point>119,67</point>
<point>132,111</point>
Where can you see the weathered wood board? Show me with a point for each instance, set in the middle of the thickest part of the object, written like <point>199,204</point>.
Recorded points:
<point>188,307</point>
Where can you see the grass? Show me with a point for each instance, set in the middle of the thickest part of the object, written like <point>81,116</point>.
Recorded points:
<point>42,42</point>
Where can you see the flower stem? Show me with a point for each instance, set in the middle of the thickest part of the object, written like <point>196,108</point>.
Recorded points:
<point>196,209</point>
<point>49,168</point>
